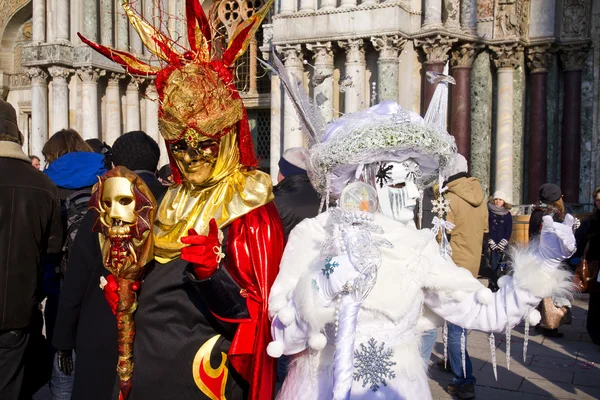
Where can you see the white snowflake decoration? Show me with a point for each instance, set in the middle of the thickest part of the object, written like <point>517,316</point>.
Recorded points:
<point>441,206</point>
<point>372,364</point>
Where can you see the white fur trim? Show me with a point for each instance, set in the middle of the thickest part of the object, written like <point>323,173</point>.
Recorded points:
<point>275,349</point>
<point>504,280</point>
<point>317,341</point>
<point>530,275</point>
<point>308,307</point>
<point>485,296</point>
<point>459,295</point>
<point>534,317</point>
<point>286,315</point>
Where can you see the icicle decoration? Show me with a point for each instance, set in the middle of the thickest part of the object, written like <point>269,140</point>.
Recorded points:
<point>463,352</point>
<point>421,194</point>
<point>526,339</point>
<point>445,336</point>
<point>508,333</point>
<point>493,351</point>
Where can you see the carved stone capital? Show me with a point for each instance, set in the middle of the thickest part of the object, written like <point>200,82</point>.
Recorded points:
<point>114,78</point>
<point>435,48</point>
<point>292,56</point>
<point>389,47</point>
<point>464,55</point>
<point>37,75</point>
<point>539,58</point>
<point>59,74</point>
<point>507,19</point>
<point>322,53</point>
<point>265,48</point>
<point>355,50</point>
<point>573,56</point>
<point>89,74</point>
<point>575,22</point>
<point>506,55</point>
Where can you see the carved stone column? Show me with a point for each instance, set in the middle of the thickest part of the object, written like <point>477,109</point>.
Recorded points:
<point>253,49</point>
<point>276,131</point>
<point>106,22</point>
<point>62,20</point>
<point>287,7</point>
<point>113,108</point>
<point>433,14</point>
<point>388,63</point>
<point>452,8</point>
<point>293,59</point>
<point>122,31</point>
<point>572,58</point>
<point>307,6</point>
<point>39,110</point>
<point>328,5</point>
<point>460,115</point>
<point>355,70</point>
<point>89,106</point>
<point>468,16</point>
<point>506,59</point>
<point>133,106</point>
<point>538,61</point>
<point>90,20</point>
<point>60,98</point>
<point>39,21</point>
<point>435,49</point>
<point>323,77</point>
<point>134,39</point>
<point>348,4</point>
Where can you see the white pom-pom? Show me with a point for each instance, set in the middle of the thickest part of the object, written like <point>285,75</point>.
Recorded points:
<point>286,315</point>
<point>504,280</point>
<point>534,317</point>
<point>485,296</point>
<point>317,342</point>
<point>459,295</point>
<point>275,349</point>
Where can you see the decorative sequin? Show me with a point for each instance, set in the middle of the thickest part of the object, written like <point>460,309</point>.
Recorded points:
<point>372,364</point>
<point>329,267</point>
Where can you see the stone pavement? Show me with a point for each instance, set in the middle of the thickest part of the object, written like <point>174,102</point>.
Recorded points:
<point>565,368</point>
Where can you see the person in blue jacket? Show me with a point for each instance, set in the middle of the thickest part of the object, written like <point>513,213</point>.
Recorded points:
<point>500,225</point>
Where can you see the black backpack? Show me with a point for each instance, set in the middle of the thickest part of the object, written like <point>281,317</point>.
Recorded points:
<point>74,209</point>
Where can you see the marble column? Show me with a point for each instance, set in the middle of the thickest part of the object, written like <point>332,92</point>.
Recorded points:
<point>287,7</point>
<point>113,108</point>
<point>506,60</point>
<point>328,5</point>
<point>572,59</point>
<point>39,110</point>
<point>348,4</point>
<point>452,8</point>
<point>62,20</point>
<point>152,112</point>
<point>134,39</point>
<point>60,98</point>
<point>275,145</point>
<point>538,62</point>
<point>433,13</point>
<point>307,6</point>
<point>253,49</point>
<point>293,59</point>
<point>388,66</point>
<point>122,31</point>
<point>133,106</point>
<point>39,21</point>
<point>106,22</point>
<point>90,20</point>
<point>354,75</point>
<point>89,99</point>
<point>460,115</point>
<point>323,77</point>
<point>435,49</point>
<point>468,16</point>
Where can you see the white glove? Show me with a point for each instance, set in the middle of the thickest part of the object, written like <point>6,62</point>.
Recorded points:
<point>502,245</point>
<point>334,275</point>
<point>557,241</point>
<point>492,244</point>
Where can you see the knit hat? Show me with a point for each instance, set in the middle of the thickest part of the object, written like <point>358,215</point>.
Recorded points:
<point>8,120</point>
<point>136,151</point>
<point>549,193</point>
<point>293,161</point>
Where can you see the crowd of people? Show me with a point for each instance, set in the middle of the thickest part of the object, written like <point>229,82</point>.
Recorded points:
<point>332,284</point>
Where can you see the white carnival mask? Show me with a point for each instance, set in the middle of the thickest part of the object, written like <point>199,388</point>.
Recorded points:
<point>396,189</point>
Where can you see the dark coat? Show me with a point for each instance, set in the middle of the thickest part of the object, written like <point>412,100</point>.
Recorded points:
<point>30,228</point>
<point>84,321</point>
<point>500,226</point>
<point>296,199</point>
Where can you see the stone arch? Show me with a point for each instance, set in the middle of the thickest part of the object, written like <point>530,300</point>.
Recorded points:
<point>20,11</point>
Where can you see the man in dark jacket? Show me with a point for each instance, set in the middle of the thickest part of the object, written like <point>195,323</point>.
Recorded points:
<point>30,228</point>
<point>85,322</point>
<point>295,197</point>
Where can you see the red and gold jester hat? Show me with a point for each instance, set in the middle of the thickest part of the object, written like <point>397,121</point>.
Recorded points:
<point>198,98</point>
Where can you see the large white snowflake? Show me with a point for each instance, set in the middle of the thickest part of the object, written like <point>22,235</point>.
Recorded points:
<point>372,364</point>
<point>441,206</point>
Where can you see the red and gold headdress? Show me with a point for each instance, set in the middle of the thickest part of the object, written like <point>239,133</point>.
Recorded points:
<point>198,98</point>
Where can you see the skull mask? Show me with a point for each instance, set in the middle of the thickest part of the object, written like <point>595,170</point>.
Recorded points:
<point>396,189</point>
<point>118,202</point>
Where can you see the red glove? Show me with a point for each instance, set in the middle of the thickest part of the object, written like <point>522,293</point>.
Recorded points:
<point>111,294</point>
<point>204,252</point>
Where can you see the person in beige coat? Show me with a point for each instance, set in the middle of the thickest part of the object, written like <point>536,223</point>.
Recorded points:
<point>469,214</point>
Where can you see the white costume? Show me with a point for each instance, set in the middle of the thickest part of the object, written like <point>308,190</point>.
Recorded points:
<point>413,280</point>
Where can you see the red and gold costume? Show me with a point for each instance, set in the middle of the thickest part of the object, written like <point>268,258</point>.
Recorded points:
<point>203,335</point>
